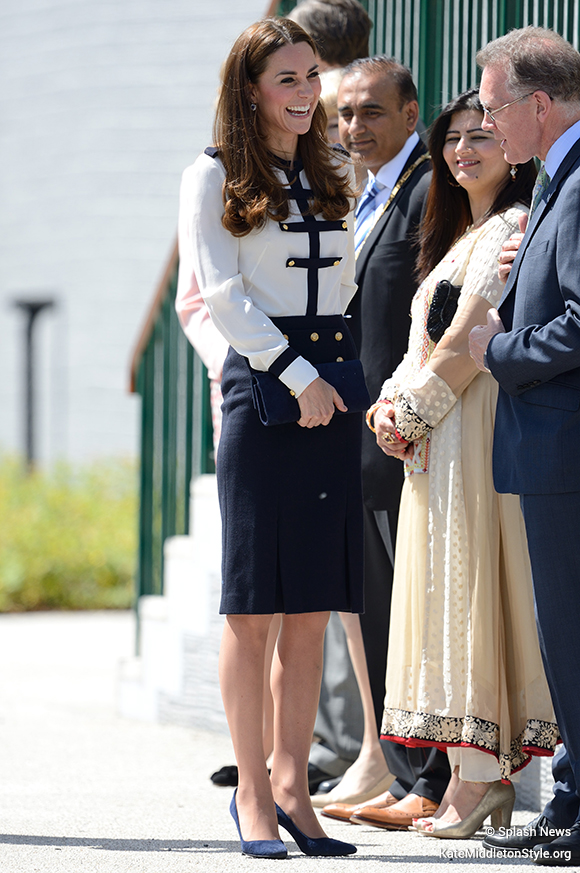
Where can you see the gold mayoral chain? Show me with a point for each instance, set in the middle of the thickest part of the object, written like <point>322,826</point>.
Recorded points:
<point>399,184</point>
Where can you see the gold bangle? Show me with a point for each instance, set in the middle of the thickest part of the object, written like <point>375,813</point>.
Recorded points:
<point>371,412</point>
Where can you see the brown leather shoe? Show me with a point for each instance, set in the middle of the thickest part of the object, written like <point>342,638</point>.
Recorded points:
<point>394,819</point>
<point>344,811</point>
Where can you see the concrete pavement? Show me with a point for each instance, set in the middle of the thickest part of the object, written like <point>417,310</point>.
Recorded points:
<point>84,790</point>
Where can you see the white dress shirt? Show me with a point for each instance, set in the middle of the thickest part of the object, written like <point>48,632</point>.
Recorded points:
<point>389,173</point>
<point>560,149</point>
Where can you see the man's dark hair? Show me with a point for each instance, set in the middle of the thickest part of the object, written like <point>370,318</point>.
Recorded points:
<point>340,29</point>
<point>383,65</point>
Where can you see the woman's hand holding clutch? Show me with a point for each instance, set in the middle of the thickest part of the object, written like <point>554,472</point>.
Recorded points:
<point>317,403</point>
<point>387,438</point>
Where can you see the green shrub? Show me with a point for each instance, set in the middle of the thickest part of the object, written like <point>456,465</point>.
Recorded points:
<point>68,537</point>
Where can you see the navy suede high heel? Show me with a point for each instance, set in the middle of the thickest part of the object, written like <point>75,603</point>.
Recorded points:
<point>313,845</point>
<point>257,848</point>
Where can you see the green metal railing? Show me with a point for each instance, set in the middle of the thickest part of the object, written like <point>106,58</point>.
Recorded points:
<point>176,430</point>
<point>438,39</point>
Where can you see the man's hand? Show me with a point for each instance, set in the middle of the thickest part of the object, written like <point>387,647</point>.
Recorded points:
<point>510,248</point>
<point>480,336</point>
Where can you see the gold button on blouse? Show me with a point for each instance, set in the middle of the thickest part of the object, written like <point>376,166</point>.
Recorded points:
<point>285,226</point>
<point>340,359</point>
<point>338,336</point>
<point>314,337</point>
<point>292,393</point>
<point>336,263</point>
<point>291,263</point>
<point>285,335</point>
<point>344,225</point>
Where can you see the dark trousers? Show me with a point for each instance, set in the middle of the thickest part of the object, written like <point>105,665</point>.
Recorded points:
<point>380,533</point>
<point>554,544</point>
<point>564,807</point>
<point>420,771</point>
<point>423,771</point>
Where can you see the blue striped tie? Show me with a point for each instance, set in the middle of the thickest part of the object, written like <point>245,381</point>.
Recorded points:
<point>364,213</point>
<point>542,182</point>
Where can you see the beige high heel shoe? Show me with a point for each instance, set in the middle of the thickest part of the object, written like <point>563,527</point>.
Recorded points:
<point>498,801</point>
<point>383,783</point>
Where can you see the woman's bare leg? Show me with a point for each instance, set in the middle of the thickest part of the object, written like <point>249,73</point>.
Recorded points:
<point>268,724</point>
<point>241,669</point>
<point>296,674</point>
<point>370,766</point>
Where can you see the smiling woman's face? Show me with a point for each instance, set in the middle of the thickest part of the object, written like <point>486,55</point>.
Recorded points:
<point>473,155</point>
<point>286,96</point>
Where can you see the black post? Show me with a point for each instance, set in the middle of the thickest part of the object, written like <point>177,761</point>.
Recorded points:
<point>31,309</point>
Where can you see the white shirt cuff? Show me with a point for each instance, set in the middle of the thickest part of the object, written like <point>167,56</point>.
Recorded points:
<point>298,375</point>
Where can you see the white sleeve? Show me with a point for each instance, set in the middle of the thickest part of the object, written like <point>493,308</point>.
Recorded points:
<point>216,265</point>
<point>191,310</point>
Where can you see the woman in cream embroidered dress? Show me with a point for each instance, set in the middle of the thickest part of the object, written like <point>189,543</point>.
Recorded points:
<point>464,670</point>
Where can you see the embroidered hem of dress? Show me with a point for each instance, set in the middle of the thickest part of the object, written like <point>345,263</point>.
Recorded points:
<point>424,729</point>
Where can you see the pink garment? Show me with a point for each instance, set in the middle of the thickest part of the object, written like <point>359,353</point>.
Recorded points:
<point>203,336</point>
<point>216,401</point>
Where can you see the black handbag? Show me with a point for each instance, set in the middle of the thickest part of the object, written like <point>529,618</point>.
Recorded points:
<point>276,405</point>
<point>443,308</point>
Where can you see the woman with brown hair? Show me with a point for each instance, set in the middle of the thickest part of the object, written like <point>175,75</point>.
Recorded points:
<point>272,239</point>
<point>464,671</point>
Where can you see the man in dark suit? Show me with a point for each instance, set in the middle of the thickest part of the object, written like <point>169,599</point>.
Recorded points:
<point>378,113</point>
<point>531,90</point>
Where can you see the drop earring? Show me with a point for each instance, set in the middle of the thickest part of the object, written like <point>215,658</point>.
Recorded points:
<point>513,172</point>
<point>253,107</point>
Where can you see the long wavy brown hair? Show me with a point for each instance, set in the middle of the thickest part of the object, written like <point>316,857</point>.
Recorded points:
<point>252,190</point>
<point>447,213</point>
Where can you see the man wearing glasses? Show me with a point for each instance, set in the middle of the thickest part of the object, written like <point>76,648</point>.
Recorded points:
<point>530,89</point>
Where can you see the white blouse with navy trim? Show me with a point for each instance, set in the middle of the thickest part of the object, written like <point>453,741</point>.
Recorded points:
<point>282,269</point>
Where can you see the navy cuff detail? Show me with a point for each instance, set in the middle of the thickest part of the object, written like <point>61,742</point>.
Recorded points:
<point>282,361</point>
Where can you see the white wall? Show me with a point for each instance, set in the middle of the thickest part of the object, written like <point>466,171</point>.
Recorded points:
<point>102,105</point>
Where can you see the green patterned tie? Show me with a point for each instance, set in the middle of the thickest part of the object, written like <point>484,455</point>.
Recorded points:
<point>542,183</point>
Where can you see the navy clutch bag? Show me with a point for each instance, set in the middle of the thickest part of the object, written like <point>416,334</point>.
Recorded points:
<point>276,405</point>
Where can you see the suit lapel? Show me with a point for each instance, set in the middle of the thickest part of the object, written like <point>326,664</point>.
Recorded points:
<point>530,230</point>
<point>420,149</point>
<point>552,192</point>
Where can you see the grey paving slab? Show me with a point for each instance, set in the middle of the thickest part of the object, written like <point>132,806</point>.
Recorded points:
<point>82,789</point>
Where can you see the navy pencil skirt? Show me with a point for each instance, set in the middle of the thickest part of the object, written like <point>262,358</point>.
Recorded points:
<point>290,497</point>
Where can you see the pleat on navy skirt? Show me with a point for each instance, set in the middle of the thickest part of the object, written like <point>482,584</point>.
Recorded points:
<point>290,497</point>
